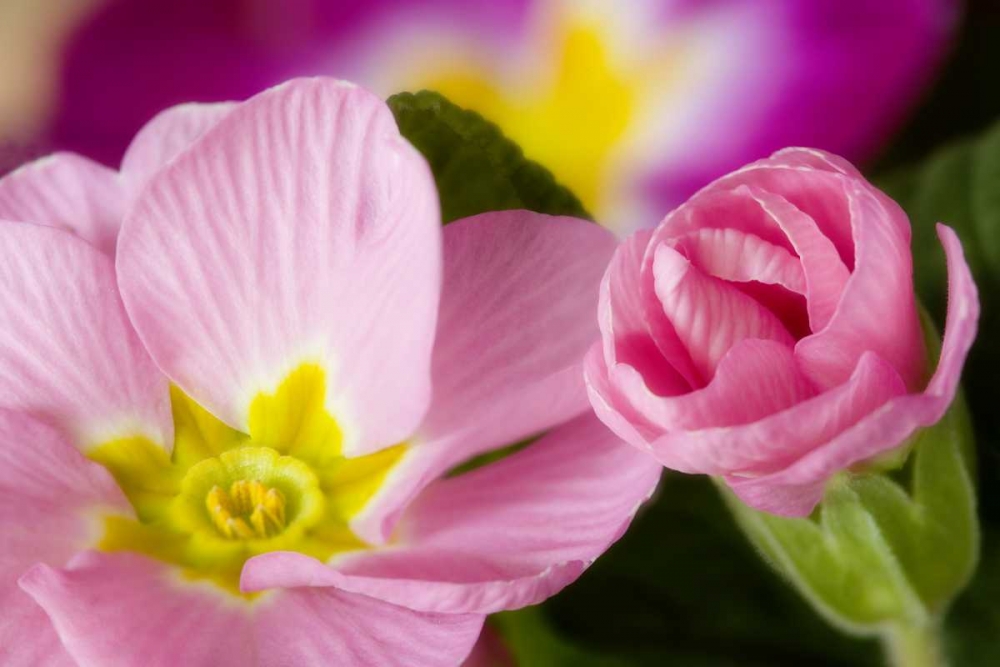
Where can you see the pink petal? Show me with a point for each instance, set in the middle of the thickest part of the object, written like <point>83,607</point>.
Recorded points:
<point>612,406</point>
<point>516,318</point>
<point>164,137</point>
<point>739,257</point>
<point>125,609</point>
<point>620,312</point>
<point>796,490</point>
<point>824,273</point>
<point>68,353</point>
<point>819,193</point>
<point>877,311</point>
<point>634,328</point>
<point>717,207</point>
<point>27,638</point>
<point>66,191</point>
<point>712,211</point>
<point>49,492</point>
<point>766,366</point>
<point>708,315</point>
<point>813,158</point>
<point>779,439</point>
<point>489,651</point>
<point>504,536</point>
<point>301,228</point>
<point>333,627</point>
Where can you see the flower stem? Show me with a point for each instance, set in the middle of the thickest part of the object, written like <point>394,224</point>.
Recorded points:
<point>915,646</point>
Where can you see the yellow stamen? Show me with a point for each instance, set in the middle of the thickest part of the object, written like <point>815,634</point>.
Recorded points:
<point>249,510</point>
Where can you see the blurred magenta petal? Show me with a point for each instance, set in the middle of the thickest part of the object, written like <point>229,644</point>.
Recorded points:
<point>135,58</point>
<point>634,107</point>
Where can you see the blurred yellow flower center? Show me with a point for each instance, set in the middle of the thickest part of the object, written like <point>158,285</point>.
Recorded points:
<point>223,496</point>
<point>570,119</point>
<point>248,510</point>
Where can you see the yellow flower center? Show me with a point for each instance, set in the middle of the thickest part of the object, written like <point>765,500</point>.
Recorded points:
<point>248,510</point>
<point>224,496</point>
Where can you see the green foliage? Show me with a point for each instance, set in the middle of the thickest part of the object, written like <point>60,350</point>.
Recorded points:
<point>477,169</point>
<point>879,553</point>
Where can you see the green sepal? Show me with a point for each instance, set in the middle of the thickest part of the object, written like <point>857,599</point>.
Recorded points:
<point>884,548</point>
<point>477,168</point>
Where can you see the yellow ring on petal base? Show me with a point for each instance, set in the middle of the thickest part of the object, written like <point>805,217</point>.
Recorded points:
<point>224,496</point>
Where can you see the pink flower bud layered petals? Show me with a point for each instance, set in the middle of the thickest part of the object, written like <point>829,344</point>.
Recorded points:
<point>767,331</point>
<point>796,489</point>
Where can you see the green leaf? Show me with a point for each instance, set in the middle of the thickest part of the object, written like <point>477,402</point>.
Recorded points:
<point>477,169</point>
<point>880,553</point>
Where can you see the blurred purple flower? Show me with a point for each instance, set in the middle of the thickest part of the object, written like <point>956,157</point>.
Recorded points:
<point>632,105</point>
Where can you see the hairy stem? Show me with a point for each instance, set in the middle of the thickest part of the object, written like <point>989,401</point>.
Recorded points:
<point>915,646</point>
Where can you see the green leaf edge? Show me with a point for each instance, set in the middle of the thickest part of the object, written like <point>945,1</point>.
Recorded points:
<point>477,168</point>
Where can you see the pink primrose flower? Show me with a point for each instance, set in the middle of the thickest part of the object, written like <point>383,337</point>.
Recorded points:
<point>235,377</point>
